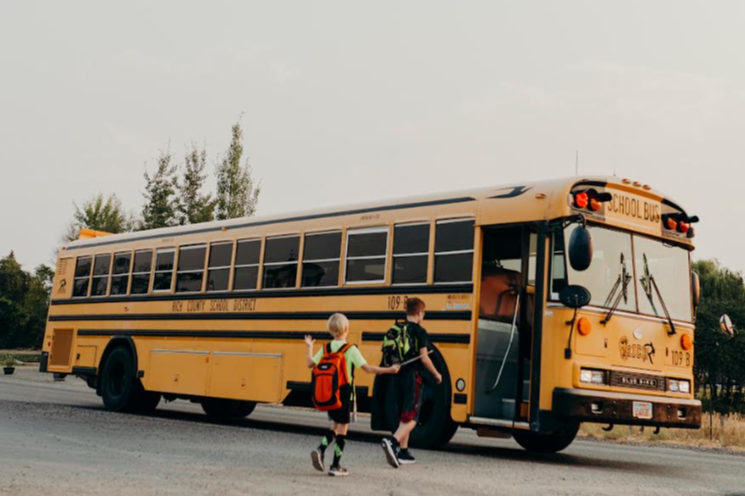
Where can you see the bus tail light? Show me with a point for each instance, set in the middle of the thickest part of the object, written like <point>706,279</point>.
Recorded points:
<point>671,223</point>
<point>584,327</point>
<point>683,227</point>
<point>686,341</point>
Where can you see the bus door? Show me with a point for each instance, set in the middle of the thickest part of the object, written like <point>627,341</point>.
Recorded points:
<point>505,327</point>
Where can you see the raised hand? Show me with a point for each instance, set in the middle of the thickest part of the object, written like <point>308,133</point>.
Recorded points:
<point>309,341</point>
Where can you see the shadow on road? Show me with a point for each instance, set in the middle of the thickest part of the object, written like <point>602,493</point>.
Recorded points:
<point>497,453</point>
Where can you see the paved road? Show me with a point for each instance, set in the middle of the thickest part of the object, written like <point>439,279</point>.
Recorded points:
<point>55,438</point>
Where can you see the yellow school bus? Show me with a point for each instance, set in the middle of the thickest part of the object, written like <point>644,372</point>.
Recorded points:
<point>549,304</point>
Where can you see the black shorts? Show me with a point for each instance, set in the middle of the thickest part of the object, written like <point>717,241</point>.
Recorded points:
<point>409,393</point>
<point>343,414</point>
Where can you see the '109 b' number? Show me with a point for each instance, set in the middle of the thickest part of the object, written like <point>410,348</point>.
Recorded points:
<point>397,302</point>
<point>681,358</point>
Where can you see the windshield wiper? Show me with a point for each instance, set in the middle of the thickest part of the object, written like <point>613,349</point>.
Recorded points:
<point>622,282</point>
<point>649,284</point>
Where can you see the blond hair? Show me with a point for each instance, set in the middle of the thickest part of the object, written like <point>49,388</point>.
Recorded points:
<point>338,324</point>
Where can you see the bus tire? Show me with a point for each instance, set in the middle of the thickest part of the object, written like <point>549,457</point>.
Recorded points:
<point>545,443</point>
<point>227,408</point>
<point>121,390</point>
<point>435,427</point>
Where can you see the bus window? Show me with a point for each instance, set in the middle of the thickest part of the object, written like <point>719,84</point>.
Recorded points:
<point>410,253</point>
<point>82,276</point>
<point>141,272</point>
<point>221,257</point>
<point>101,270</point>
<point>366,251</point>
<point>558,267</point>
<point>164,259</point>
<point>190,272</point>
<point>454,251</point>
<point>321,259</point>
<point>669,266</point>
<point>611,262</point>
<point>280,262</point>
<point>247,265</point>
<point>120,274</point>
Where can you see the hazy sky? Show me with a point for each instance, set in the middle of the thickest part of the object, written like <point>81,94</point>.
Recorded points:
<point>349,101</point>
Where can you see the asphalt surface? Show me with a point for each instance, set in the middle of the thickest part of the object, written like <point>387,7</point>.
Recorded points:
<point>56,438</point>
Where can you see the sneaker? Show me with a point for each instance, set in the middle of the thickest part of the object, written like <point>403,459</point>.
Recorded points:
<point>317,457</point>
<point>405,457</point>
<point>389,448</point>
<point>338,471</point>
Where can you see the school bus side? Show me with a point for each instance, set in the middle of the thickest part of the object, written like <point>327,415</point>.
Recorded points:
<point>246,345</point>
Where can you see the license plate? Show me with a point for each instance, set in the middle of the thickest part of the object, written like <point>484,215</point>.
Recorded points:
<point>643,410</point>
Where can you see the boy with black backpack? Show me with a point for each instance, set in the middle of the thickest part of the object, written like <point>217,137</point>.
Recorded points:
<point>332,388</point>
<point>406,344</point>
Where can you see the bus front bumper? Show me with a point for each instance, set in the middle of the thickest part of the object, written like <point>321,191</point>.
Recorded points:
<point>619,408</point>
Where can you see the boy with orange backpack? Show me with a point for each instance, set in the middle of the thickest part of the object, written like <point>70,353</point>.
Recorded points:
<point>332,387</point>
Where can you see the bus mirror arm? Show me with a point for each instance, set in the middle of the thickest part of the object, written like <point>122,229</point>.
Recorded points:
<point>568,350</point>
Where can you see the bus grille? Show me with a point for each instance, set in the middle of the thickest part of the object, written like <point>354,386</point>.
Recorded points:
<point>637,380</point>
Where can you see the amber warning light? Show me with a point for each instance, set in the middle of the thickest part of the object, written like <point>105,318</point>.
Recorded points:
<point>680,223</point>
<point>590,199</point>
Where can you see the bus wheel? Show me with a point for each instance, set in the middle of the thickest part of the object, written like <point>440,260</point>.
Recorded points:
<point>120,389</point>
<point>435,427</point>
<point>545,443</point>
<point>227,408</point>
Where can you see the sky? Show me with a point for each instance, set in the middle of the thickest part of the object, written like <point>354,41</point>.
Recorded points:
<point>349,101</point>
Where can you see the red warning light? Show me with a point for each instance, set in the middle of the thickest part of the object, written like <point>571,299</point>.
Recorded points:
<point>580,200</point>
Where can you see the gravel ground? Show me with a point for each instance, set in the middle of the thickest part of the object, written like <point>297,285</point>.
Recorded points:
<point>55,438</point>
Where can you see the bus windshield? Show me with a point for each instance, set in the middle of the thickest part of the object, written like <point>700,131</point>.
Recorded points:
<point>629,265</point>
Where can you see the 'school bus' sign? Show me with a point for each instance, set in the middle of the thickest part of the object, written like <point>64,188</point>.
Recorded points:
<point>631,209</point>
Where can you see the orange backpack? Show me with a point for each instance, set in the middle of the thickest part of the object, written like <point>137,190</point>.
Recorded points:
<point>329,375</point>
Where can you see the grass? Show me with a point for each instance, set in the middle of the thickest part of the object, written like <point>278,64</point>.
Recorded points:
<point>21,356</point>
<point>728,433</point>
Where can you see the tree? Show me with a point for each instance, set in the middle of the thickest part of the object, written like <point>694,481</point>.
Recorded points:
<point>192,206</point>
<point>24,302</point>
<point>99,213</point>
<point>718,363</point>
<point>237,191</point>
<point>159,210</point>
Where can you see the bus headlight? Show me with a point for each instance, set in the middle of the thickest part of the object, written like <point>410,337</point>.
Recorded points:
<point>592,376</point>
<point>679,386</point>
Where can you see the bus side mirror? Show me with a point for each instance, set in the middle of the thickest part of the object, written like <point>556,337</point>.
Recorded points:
<point>725,324</point>
<point>575,296</point>
<point>580,248</point>
<point>696,289</point>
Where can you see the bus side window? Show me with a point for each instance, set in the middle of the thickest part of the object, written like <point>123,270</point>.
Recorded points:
<point>82,276</point>
<point>321,259</point>
<point>101,270</point>
<point>247,265</point>
<point>164,263</point>
<point>221,257</point>
<point>280,261</point>
<point>120,273</point>
<point>190,273</point>
<point>410,253</point>
<point>454,251</point>
<point>141,272</point>
<point>366,255</point>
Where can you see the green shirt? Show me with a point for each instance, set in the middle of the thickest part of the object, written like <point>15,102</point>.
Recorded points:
<point>353,356</point>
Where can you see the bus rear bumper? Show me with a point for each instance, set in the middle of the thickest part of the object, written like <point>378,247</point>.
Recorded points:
<point>618,408</point>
